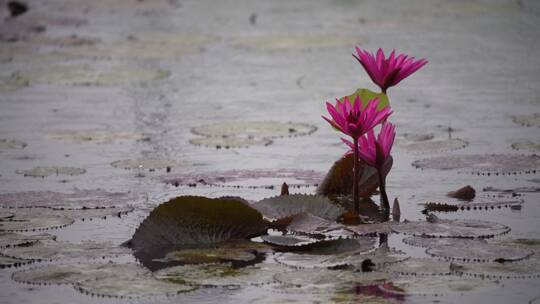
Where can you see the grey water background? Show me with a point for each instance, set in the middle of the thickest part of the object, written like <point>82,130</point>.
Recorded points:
<point>238,60</point>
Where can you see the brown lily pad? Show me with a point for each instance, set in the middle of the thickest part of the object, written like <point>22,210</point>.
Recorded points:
<point>252,179</point>
<point>279,207</point>
<point>43,171</point>
<point>452,228</point>
<point>79,199</point>
<point>483,164</point>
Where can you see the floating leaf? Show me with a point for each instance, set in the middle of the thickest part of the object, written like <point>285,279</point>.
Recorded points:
<point>260,129</point>
<point>208,255</point>
<point>416,266</point>
<point>247,178</point>
<point>513,190</point>
<point>480,252</point>
<point>230,142</point>
<point>527,145</point>
<point>429,242</point>
<point>432,146</point>
<point>108,280</point>
<point>339,179</point>
<point>10,239</point>
<point>371,229</point>
<point>483,204</point>
<point>452,228</point>
<point>365,96</point>
<point>42,171</point>
<point>6,144</point>
<point>288,240</point>
<point>435,285</point>
<point>23,224</point>
<point>146,164</point>
<point>528,120</point>
<point>95,137</point>
<point>279,207</point>
<point>5,214</point>
<point>526,269</point>
<point>306,223</point>
<point>7,84</point>
<point>85,75</point>
<point>483,164</point>
<point>6,262</point>
<point>221,275</point>
<point>79,199</point>
<point>51,250</point>
<point>294,42</point>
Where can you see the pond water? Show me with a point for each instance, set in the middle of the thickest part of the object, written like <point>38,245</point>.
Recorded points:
<point>84,84</point>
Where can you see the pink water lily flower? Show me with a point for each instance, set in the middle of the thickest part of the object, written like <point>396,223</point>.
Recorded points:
<point>387,72</point>
<point>352,119</point>
<point>375,152</point>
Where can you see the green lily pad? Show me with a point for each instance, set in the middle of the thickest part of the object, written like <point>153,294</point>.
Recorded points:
<point>366,95</point>
<point>483,164</point>
<point>230,142</point>
<point>85,75</point>
<point>6,144</point>
<point>95,137</point>
<point>221,275</point>
<point>283,206</point>
<point>10,239</point>
<point>255,129</point>
<point>527,145</point>
<point>419,267</point>
<point>52,250</point>
<point>42,171</point>
<point>528,120</point>
<point>452,228</point>
<point>436,285</point>
<point>106,280</point>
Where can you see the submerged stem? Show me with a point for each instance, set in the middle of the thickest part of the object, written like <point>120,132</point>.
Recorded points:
<point>385,205</point>
<point>356,171</point>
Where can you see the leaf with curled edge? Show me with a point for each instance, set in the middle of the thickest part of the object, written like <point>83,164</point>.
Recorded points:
<point>193,222</point>
<point>339,179</point>
<point>283,206</point>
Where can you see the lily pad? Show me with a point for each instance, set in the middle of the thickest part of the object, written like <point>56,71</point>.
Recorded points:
<point>230,142</point>
<point>25,224</point>
<point>513,190</point>
<point>528,120</point>
<point>420,267</point>
<point>79,199</point>
<point>108,280</point>
<point>482,204</point>
<point>146,164</point>
<point>52,250</point>
<point>429,242</point>
<point>339,179</point>
<point>6,262</point>
<point>279,207</point>
<point>208,255</point>
<point>295,42</point>
<point>85,75</point>
<point>436,285</point>
<point>10,239</point>
<point>289,240</point>
<point>452,228</point>
<point>432,146</point>
<point>480,252</point>
<point>42,171</point>
<point>306,223</point>
<point>6,144</point>
<point>371,229</point>
<point>12,83</point>
<point>483,164</point>
<point>221,275</point>
<point>255,129</point>
<point>526,269</point>
<point>367,95</point>
<point>5,214</point>
<point>252,179</point>
<point>527,145</point>
<point>95,137</point>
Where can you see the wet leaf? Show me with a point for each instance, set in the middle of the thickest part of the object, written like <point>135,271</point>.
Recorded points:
<point>295,42</point>
<point>51,250</point>
<point>95,137</point>
<point>288,240</point>
<point>7,262</point>
<point>10,239</point>
<point>221,275</point>
<point>78,199</point>
<point>429,242</point>
<point>146,164</point>
<point>366,95</point>
<point>306,223</point>
<point>106,280</point>
<point>32,223</point>
<point>527,145</point>
<point>419,267</point>
<point>11,83</point>
<point>526,269</point>
<point>279,207</point>
<point>230,142</point>
<point>339,179</point>
<point>43,171</point>
<point>208,255</point>
<point>252,179</point>
<point>436,285</point>
<point>255,129</point>
<point>483,164</point>
<point>431,146</point>
<point>452,228</point>
<point>528,120</point>
<point>480,252</point>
